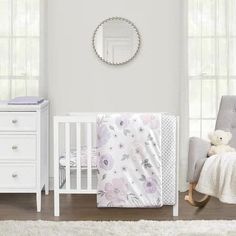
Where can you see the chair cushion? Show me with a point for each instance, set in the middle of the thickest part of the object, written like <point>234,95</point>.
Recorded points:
<point>226,119</point>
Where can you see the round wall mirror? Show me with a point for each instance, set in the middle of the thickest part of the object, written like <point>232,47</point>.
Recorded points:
<point>116,41</point>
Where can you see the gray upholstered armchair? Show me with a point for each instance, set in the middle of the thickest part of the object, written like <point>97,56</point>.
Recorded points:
<point>198,148</point>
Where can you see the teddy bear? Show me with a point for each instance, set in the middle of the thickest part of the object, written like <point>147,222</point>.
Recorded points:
<point>219,141</point>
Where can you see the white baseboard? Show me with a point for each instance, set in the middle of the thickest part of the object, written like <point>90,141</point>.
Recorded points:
<point>183,187</point>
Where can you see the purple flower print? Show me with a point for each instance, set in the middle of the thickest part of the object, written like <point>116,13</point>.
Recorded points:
<point>103,135</point>
<point>150,185</point>
<point>106,162</point>
<point>136,150</point>
<point>122,121</point>
<point>116,192</point>
<point>151,120</point>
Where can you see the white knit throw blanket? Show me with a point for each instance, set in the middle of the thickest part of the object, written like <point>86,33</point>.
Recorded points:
<point>218,177</point>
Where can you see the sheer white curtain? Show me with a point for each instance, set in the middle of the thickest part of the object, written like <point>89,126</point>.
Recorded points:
<point>19,48</point>
<point>211,60</point>
<point>211,68</point>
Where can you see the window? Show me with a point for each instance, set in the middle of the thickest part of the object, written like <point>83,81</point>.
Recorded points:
<point>211,60</point>
<point>19,48</point>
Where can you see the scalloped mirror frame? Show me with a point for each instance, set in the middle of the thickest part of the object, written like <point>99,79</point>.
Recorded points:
<point>136,31</point>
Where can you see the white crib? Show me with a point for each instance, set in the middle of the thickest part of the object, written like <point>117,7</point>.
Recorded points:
<point>75,169</point>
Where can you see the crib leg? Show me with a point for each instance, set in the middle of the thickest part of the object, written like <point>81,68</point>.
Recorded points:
<point>190,199</point>
<point>38,200</point>
<point>176,206</point>
<point>56,203</point>
<point>176,209</point>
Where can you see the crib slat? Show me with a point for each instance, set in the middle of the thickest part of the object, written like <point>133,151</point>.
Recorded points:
<point>78,151</point>
<point>67,145</point>
<point>89,156</point>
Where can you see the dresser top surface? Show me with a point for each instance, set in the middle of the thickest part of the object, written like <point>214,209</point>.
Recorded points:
<point>5,107</point>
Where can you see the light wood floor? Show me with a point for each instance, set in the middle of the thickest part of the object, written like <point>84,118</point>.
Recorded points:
<point>83,207</point>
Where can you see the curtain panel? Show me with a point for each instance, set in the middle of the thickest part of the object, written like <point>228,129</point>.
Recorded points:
<point>19,48</point>
<point>211,60</point>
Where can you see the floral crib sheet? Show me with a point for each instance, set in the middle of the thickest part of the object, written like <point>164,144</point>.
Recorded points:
<point>129,160</point>
<point>83,157</point>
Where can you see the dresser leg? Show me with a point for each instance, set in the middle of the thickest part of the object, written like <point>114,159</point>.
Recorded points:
<point>38,201</point>
<point>46,187</point>
<point>56,203</point>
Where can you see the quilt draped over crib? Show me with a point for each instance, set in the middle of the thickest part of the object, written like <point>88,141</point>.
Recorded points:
<point>129,160</point>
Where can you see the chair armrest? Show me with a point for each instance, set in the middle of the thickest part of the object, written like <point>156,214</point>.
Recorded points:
<point>197,155</point>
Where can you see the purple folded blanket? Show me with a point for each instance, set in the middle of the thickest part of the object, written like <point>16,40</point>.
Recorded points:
<point>26,101</point>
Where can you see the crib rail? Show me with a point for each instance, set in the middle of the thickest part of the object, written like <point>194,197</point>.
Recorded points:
<point>72,131</point>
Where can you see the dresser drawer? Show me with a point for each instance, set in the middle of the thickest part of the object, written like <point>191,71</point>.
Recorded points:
<point>17,147</point>
<point>19,176</point>
<point>18,121</point>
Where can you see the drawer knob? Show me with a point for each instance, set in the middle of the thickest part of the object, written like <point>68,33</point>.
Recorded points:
<point>14,175</point>
<point>14,121</point>
<point>14,147</point>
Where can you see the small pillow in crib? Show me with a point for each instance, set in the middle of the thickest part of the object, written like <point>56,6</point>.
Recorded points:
<point>219,142</point>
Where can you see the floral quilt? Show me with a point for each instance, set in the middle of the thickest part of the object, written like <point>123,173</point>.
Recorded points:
<point>129,160</point>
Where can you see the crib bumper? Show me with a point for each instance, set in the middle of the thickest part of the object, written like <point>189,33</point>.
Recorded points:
<point>197,155</point>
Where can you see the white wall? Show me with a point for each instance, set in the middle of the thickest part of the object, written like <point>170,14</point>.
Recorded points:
<point>79,81</point>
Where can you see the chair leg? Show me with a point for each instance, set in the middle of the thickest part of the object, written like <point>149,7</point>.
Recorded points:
<point>190,199</point>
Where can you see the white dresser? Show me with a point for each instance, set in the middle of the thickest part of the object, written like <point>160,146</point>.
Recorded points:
<point>24,149</point>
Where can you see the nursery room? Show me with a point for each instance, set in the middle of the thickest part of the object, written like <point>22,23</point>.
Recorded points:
<point>118,117</point>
